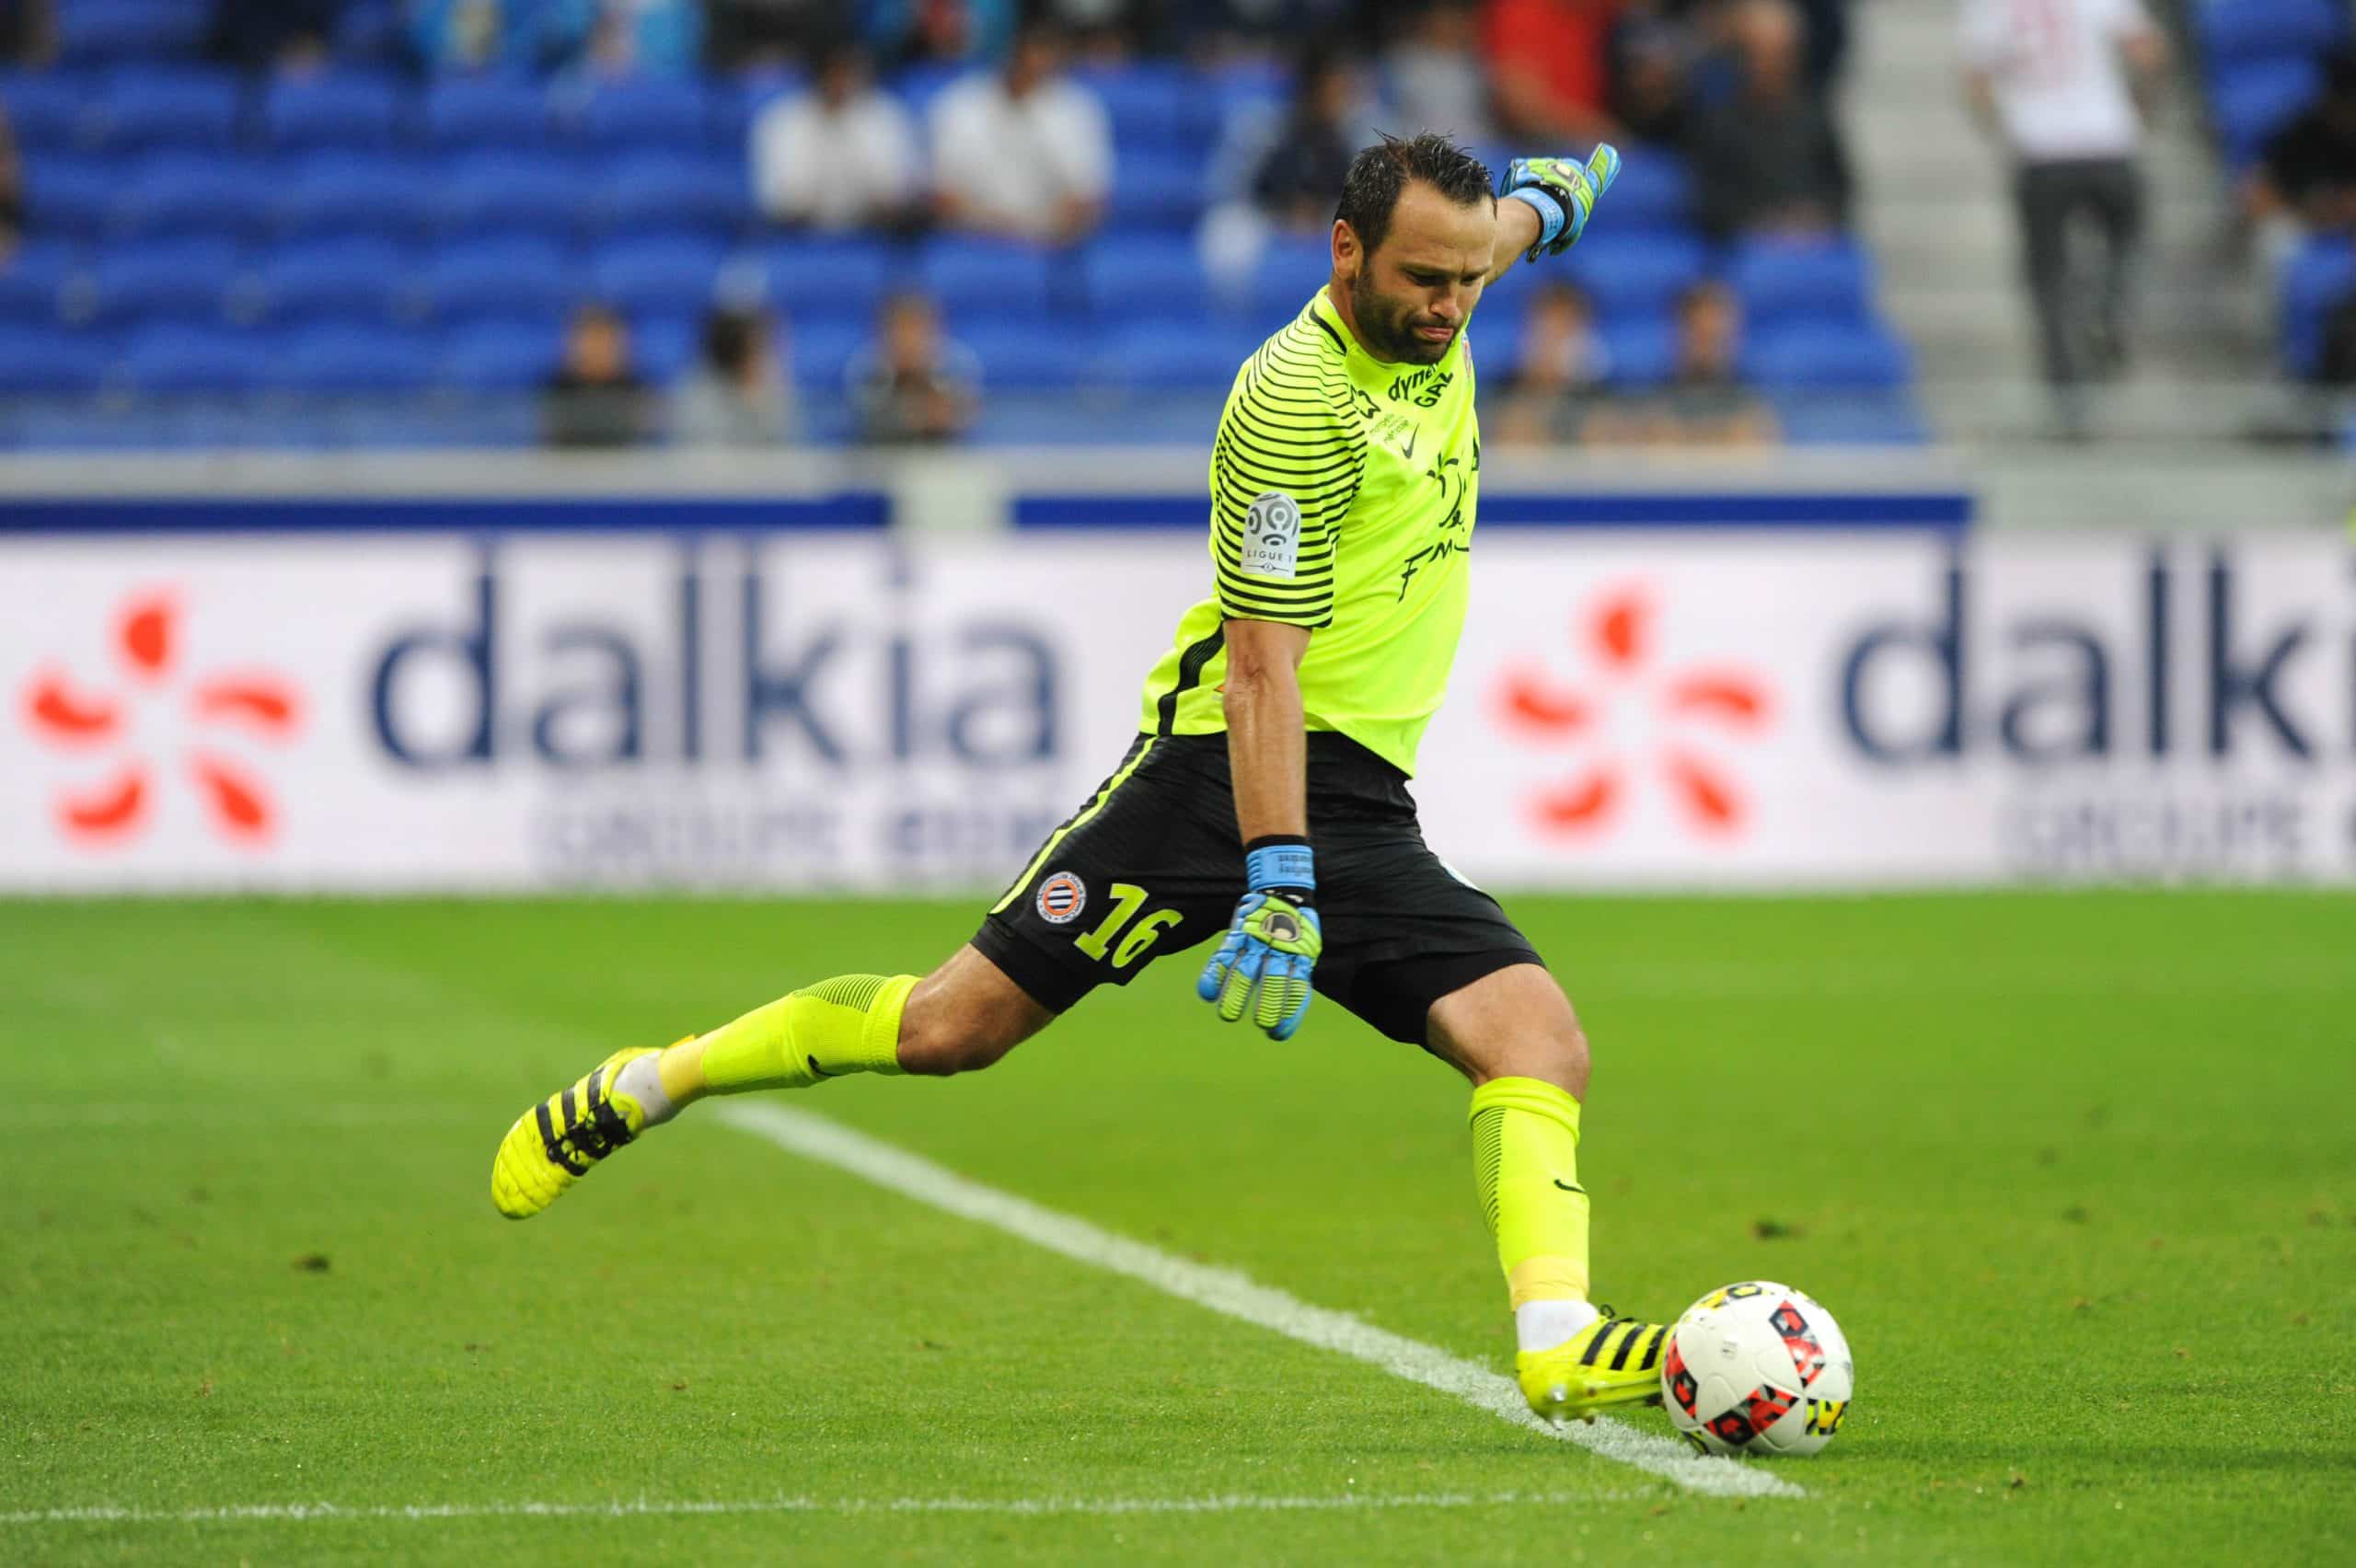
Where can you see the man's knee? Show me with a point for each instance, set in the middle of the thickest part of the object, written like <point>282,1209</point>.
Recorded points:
<point>1514,1023</point>
<point>964,1016</point>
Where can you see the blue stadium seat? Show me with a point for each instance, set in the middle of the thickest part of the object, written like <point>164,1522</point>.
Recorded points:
<point>70,195</point>
<point>360,277</point>
<point>33,280</point>
<point>1848,418</point>
<point>917,85</point>
<point>460,113</point>
<point>192,193</point>
<point>1782,280</point>
<point>515,275</point>
<point>1636,271</point>
<point>1214,98</point>
<point>1025,357</point>
<point>335,193</point>
<point>664,274</point>
<point>98,32</point>
<point>1821,356</point>
<point>182,357</point>
<point>502,355</point>
<point>369,33</point>
<point>48,359</point>
<point>1156,192</point>
<point>1144,100</point>
<point>186,280</point>
<point>2252,30</point>
<point>668,190</point>
<point>1641,347</point>
<point>1144,277</point>
<point>2254,99</point>
<point>165,107</point>
<point>345,357</point>
<point>968,276</point>
<point>662,344</point>
<point>46,109</point>
<point>1654,190</point>
<point>734,105</point>
<point>820,351</point>
<point>1290,270</point>
<point>641,113</point>
<point>340,109</point>
<point>2315,278</point>
<point>546,193</point>
<point>1158,354</point>
<point>846,275</point>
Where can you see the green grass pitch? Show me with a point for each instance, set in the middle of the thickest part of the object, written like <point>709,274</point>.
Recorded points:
<point>2077,1173</point>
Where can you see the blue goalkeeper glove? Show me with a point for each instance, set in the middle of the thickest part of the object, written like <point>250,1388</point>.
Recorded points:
<point>1262,969</point>
<point>1562,193</point>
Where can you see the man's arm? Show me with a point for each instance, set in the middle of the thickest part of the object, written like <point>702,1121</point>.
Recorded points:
<point>1518,225</point>
<point>1267,746</point>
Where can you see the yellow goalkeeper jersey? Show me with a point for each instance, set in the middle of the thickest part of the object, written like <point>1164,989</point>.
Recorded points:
<point>1342,499</point>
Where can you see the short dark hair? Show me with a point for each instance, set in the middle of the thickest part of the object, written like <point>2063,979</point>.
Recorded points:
<point>730,338</point>
<point>1370,191</point>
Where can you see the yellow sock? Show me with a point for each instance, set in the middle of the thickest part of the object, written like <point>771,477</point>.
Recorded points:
<point>1526,1161</point>
<point>848,1024</point>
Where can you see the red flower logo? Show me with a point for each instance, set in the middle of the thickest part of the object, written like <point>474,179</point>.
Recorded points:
<point>113,809</point>
<point>1616,635</point>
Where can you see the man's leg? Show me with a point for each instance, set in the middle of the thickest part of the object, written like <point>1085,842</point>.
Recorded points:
<point>1513,1034</point>
<point>2045,196</point>
<point>965,1015</point>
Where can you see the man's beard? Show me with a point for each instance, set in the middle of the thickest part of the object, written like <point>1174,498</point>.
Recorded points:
<point>1390,328</point>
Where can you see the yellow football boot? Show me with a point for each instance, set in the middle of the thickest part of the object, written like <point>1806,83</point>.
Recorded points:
<point>554,1144</point>
<point>1612,1361</point>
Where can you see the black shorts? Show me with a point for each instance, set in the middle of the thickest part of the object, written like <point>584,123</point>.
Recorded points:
<point>1151,865</point>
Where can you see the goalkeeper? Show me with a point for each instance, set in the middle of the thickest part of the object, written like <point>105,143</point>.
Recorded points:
<point>1266,791</point>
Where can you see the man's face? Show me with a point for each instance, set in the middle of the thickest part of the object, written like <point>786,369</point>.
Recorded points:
<point>1412,296</point>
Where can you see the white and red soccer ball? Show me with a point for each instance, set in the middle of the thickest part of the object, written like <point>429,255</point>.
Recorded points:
<point>1757,1369</point>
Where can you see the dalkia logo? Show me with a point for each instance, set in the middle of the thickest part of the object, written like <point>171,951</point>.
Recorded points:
<point>1615,634</point>
<point>69,719</point>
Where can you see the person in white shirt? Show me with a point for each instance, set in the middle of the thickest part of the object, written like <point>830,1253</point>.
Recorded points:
<point>2064,83</point>
<point>1024,151</point>
<point>841,156</point>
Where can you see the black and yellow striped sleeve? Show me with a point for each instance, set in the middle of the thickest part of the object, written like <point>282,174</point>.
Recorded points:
<point>1284,471</point>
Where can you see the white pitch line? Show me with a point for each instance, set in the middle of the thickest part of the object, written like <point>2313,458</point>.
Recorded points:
<point>1038,1508</point>
<point>1226,1291</point>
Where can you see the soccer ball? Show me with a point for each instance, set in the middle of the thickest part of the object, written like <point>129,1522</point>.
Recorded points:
<point>1757,1369</point>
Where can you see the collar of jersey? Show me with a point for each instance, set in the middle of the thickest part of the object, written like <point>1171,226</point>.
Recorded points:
<point>1363,366</point>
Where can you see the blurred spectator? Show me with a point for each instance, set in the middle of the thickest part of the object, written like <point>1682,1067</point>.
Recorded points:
<point>12,190</point>
<point>1564,364</point>
<point>1768,159</point>
<point>2307,170</point>
<point>1435,76</point>
<point>623,38</point>
<point>1280,171</point>
<point>612,37</point>
<point>27,31</point>
<point>744,35</point>
<point>916,386</point>
<point>1706,403</point>
<point>738,395</point>
<point>842,155</point>
<point>595,398</point>
<point>1825,25</point>
<point>2059,81</point>
<point>1024,151</point>
<point>293,34</point>
<point>1547,63</point>
<point>1299,170</point>
<point>1650,52</point>
<point>904,32</point>
<point>474,35</point>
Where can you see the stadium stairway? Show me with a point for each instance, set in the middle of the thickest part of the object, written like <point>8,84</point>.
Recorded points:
<point>1938,213</point>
